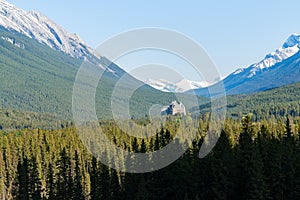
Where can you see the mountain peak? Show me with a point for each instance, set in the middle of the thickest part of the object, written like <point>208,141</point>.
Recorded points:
<point>289,48</point>
<point>276,69</point>
<point>37,26</point>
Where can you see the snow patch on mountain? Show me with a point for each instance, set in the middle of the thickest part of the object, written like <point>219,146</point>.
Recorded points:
<point>13,42</point>
<point>178,87</point>
<point>238,71</point>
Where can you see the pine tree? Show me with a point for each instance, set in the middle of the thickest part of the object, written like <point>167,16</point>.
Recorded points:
<point>143,147</point>
<point>288,161</point>
<point>135,146</point>
<point>131,179</point>
<point>163,141</point>
<point>114,186</point>
<point>219,176</point>
<point>50,184</point>
<point>22,193</point>
<point>104,184</point>
<point>63,176</point>
<point>151,145</point>
<point>95,180</point>
<point>8,173</point>
<point>70,189</point>
<point>35,184</point>
<point>252,180</point>
<point>273,169</point>
<point>78,177</point>
<point>156,142</point>
<point>142,193</point>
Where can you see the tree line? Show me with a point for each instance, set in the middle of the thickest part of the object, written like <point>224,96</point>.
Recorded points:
<point>251,160</point>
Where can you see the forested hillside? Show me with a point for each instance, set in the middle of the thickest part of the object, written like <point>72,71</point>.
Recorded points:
<point>275,103</point>
<point>53,146</point>
<point>39,79</point>
<point>250,161</point>
<point>42,157</point>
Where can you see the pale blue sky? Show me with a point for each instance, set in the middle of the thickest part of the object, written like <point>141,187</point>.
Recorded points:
<point>234,33</point>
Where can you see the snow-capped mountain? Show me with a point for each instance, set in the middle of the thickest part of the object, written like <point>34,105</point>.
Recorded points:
<point>39,27</point>
<point>178,87</point>
<point>289,48</point>
<point>278,68</point>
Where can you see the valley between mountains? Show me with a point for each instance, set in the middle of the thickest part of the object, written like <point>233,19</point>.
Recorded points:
<point>255,150</point>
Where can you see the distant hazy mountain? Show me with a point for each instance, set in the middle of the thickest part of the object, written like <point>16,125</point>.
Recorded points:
<point>279,68</point>
<point>178,87</point>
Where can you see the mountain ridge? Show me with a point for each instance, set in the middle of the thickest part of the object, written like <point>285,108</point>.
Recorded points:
<point>37,26</point>
<point>289,48</point>
<point>40,79</point>
<point>271,72</point>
